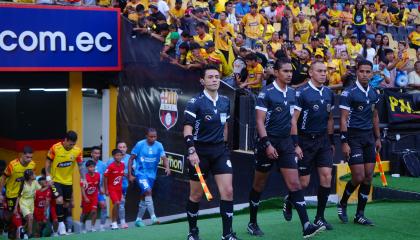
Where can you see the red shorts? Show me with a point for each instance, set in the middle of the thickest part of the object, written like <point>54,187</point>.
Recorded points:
<point>87,207</point>
<point>39,215</point>
<point>115,195</point>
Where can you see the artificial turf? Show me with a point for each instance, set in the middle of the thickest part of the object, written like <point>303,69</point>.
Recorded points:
<point>403,183</point>
<point>394,220</point>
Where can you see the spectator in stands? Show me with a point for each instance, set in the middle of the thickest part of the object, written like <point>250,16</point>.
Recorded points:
<point>202,36</point>
<point>391,62</point>
<point>414,78</point>
<point>271,12</point>
<point>163,8</point>
<point>382,19</point>
<point>334,77</point>
<point>359,20</point>
<point>380,74</point>
<point>242,8</point>
<point>370,28</point>
<point>340,47</point>
<point>250,26</point>
<point>378,41</point>
<point>287,25</point>
<point>368,52</point>
<point>231,17</point>
<point>130,10</point>
<point>156,15</point>
<point>403,58</point>
<point>216,57</point>
<point>239,66</point>
<point>304,27</point>
<point>353,48</point>
<point>177,13</point>
<point>346,17</point>
<point>414,38</point>
<point>255,73</point>
<point>300,66</point>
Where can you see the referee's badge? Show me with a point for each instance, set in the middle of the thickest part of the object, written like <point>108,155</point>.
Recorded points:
<point>279,109</point>
<point>373,107</point>
<point>168,112</point>
<point>223,117</point>
<point>315,107</point>
<point>328,107</point>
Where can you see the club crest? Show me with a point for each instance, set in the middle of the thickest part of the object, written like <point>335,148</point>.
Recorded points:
<point>168,112</point>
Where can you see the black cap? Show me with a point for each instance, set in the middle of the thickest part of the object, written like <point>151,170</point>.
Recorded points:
<point>209,44</point>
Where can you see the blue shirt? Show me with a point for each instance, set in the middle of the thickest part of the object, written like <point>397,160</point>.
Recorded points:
<point>315,106</point>
<point>241,9</point>
<point>147,157</point>
<point>207,117</point>
<point>279,107</point>
<point>360,103</point>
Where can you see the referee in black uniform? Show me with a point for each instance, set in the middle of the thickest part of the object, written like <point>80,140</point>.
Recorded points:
<point>313,122</point>
<point>205,133</point>
<point>274,109</point>
<point>360,137</point>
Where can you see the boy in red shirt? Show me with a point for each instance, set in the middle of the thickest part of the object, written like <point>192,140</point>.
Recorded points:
<point>113,184</point>
<point>90,195</point>
<point>42,201</point>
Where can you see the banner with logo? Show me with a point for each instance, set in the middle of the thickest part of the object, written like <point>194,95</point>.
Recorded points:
<point>58,38</point>
<point>401,107</point>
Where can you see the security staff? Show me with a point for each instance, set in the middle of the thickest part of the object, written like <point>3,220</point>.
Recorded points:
<point>360,137</point>
<point>205,131</point>
<point>313,121</point>
<point>274,109</point>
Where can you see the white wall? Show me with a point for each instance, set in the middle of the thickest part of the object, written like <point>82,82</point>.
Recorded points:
<point>92,121</point>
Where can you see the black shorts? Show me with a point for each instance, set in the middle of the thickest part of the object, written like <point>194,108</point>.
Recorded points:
<point>214,158</point>
<point>65,191</point>
<point>286,151</point>
<point>316,152</point>
<point>362,146</point>
<point>10,204</point>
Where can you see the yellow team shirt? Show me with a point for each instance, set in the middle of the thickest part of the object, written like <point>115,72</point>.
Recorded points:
<point>252,75</point>
<point>363,16</point>
<point>145,4</point>
<point>295,10</point>
<point>192,59</point>
<point>383,17</point>
<point>347,16</point>
<point>133,16</point>
<point>104,3</point>
<point>304,29</point>
<point>14,177</point>
<point>222,43</point>
<point>220,6</point>
<point>201,4</point>
<point>336,14</point>
<point>275,46</point>
<point>353,50</point>
<point>268,33</point>
<point>201,41</point>
<point>414,38</point>
<point>62,163</point>
<point>251,25</point>
<point>334,78</point>
<point>177,13</point>
<point>403,57</point>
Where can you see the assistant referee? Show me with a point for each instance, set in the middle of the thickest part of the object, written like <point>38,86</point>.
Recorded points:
<point>205,134</point>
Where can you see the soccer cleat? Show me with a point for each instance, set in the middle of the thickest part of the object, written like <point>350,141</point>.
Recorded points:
<point>124,226</point>
<point>323,222</point>
<point>193,235</point>
<point>155,220</point>
<point>287,209</point>
<point>61,229</point>
<point>114,226</point>
<point>362,220</point>
<point>254,230</point>
<point>231,236</point>
<point>139,223</point>
<point>93,229</point>
<point>55,234</point>
<point>311,230</point>
<point>83,228</point>
<point>342,213</point>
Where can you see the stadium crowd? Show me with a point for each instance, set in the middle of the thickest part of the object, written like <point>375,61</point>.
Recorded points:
<point>246,37</point>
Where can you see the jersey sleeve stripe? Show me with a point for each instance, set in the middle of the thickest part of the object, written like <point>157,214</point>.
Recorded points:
<point>190,113</point>
<point>344,107</point>
<point>261,108</point>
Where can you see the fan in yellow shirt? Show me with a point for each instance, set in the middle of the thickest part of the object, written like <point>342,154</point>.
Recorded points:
<point>255,73</point>
<point>251,22</point>
<point>414,37</point>
<point>334,15</point>
<point>353,48</point>
<point>202,37</point>
<point>304,28</point>
<point>223,32</point>
<point>177,13</point>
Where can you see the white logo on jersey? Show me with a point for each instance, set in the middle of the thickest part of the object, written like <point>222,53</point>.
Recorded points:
<point>117,180</point>
<point>229,163</point>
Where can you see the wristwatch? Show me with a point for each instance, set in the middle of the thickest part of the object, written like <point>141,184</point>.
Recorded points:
<point>267,144</point>
<point>191,151</point>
